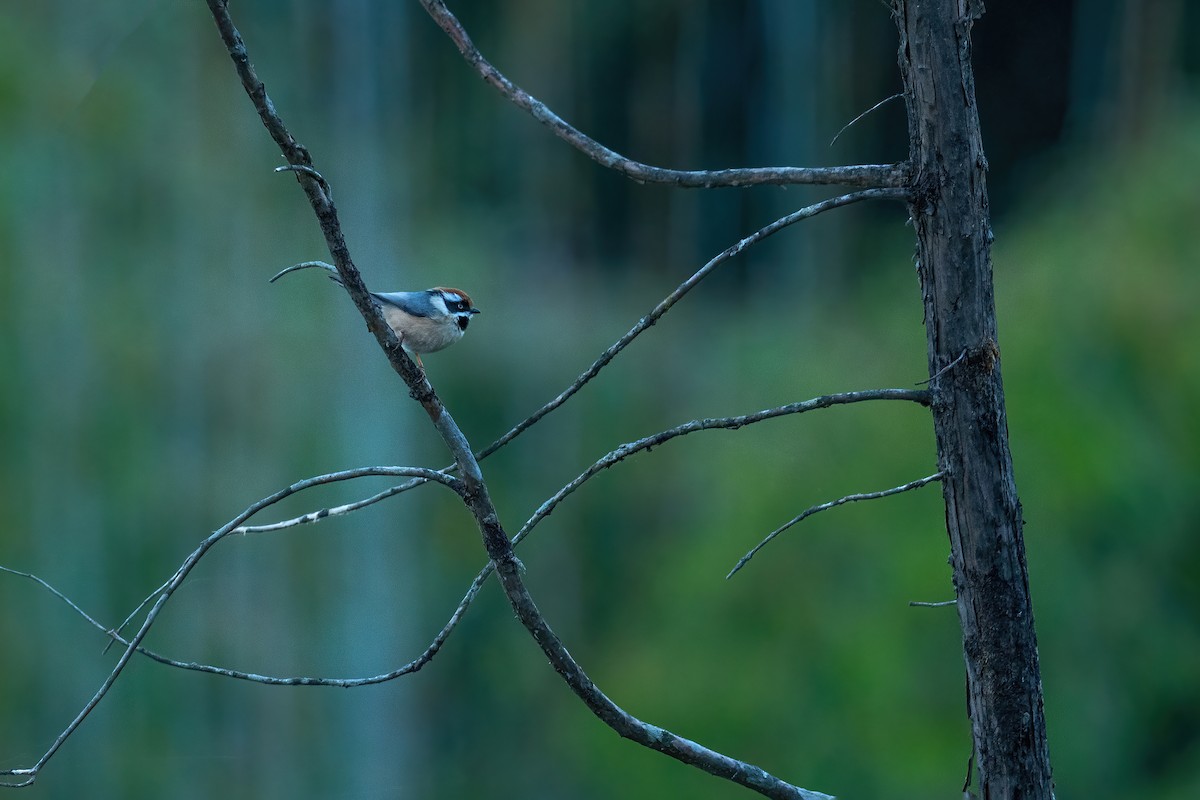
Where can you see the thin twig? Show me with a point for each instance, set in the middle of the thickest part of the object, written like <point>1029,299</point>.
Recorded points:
<point>320,514</point>
<point>115,632</point>
<point>872,175</point>
<point>305,169</point>
<point>863,114</point>
<point>413,666</point>
<point>939,604</point>
<point>944,369</point>
<point>312,516</point>
<point>303,265</point>
<point>334,511</point>
<point>850,498</point>
<point>54,592</point>
<point>408,668</point>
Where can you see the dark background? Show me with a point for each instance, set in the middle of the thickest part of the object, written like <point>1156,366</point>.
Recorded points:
<point>152,384</point>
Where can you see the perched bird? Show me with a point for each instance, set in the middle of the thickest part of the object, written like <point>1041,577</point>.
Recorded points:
<point>424,322</point>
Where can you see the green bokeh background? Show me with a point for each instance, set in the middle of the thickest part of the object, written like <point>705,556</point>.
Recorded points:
<point>152,384</point>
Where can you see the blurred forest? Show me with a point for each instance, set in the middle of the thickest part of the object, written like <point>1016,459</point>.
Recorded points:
<point>152,385</point>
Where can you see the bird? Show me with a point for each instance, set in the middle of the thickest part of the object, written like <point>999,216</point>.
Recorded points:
<point>424,321</point>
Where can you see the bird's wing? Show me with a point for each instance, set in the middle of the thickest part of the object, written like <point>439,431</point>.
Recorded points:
<point>409,302</point>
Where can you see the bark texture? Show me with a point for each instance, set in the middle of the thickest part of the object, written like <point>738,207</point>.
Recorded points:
<point>949,208</point>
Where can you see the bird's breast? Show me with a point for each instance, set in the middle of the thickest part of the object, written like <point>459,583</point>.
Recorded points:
<point>422,334</point>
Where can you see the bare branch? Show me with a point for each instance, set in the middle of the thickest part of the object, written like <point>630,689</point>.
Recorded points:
<point>808,512</point>
<point>312,173</point>
<point>190,562</point>
<point>872,175</point>
<point>413,666</point>
<point>54,592</point>
<point>335,511</point>
<point>410,667</point>
<point>670,300</point>
<point>921,397</point>
<point>847,126</point>
<point>621,721</point>
<point>939,604</point>
<point>944,369</point>
<point>316,188</point>
<point>115,633</point>
<point>312,516</point>
<point>625,451</point>
<point>918,396</point>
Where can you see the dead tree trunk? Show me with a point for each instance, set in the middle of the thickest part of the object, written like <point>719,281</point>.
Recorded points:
<point>949,209</point>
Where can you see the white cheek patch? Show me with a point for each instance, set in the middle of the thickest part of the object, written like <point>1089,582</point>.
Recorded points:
<point>438,303</point>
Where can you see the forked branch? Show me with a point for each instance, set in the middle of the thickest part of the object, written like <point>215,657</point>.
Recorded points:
<point>274,680</point>
<point>168,589</point>
<point>475,492</point>
<point>919,396</point>
<point>870,175</point>
<point>615,348</point>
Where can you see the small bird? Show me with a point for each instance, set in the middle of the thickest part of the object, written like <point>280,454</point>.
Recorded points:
<point>424,322</point>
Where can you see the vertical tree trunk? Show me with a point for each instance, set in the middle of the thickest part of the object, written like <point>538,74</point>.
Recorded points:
<point>983,516</point>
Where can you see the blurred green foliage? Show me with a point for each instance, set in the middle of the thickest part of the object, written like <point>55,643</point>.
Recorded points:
<point>152,385</point>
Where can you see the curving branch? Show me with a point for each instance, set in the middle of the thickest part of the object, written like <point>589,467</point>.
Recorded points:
<point>871,175</point>
<point>674,297</point>
<point>410,667</point>
<point>873,108</point>
<point>919,396</point>
<point>841,501</point>
<point>334,511</point>
<point>56,593</point>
